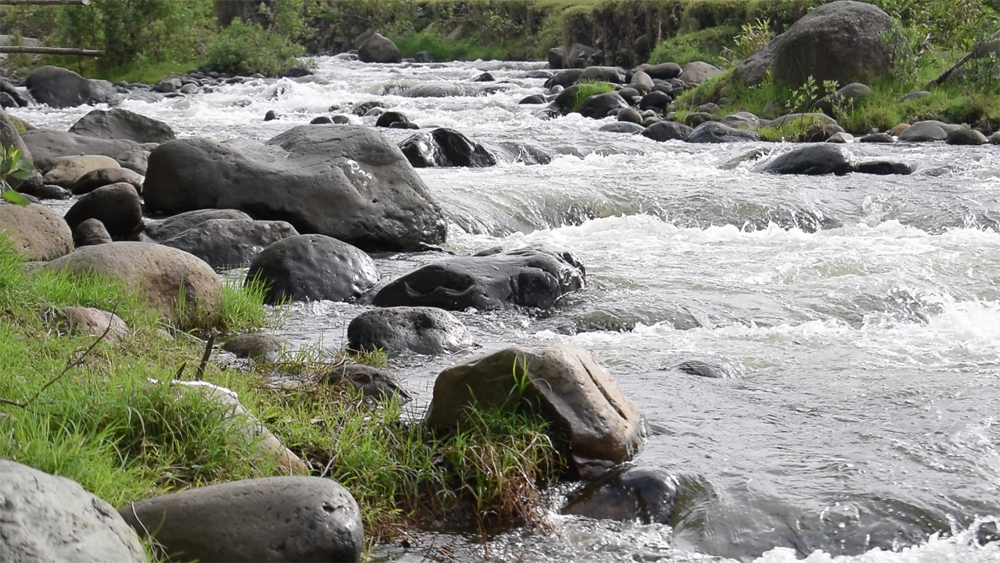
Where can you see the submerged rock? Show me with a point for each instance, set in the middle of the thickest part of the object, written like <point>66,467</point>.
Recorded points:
<point>444,147</point>
<point>401,330</point>
<point>810,160</point>
<point>626,493</point>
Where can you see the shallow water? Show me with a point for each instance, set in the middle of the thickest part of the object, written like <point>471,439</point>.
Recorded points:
<point>859,317</point>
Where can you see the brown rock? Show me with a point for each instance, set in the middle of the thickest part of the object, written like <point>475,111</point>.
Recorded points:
<point>65,171</point>
<point>36,232</point>
<point>106,176</point>
<point>93,321</point>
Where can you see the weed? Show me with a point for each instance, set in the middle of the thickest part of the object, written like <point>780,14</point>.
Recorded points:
<point>587,89</point>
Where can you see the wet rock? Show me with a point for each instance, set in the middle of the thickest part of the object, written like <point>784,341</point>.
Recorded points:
<point>444,147</point>
<point>629,115</point>
<point>167,86</point>
<point>35,232</point>
<point>422,57</point>
<point>230,243</point>
<point>50,519</point>
<point>877,138</point>
<point>841,138</point>
<point>62,88</point>
<point>662,71</point>
<point>667,131</point>
<point>340,120</point>
<point>484,77</point>
<point>600,106</point>
<point>271,115</point>
<point>623,127</point>
<point>883,168</point>
<point>967,137</point>
<point>122,124</point>
<point>716,132</point>
<point>6,101</point>
<point>93,322</point>
<point>401,330</point>
<point>439,90</point>
<point>135,160</point>
<point>322,120</point>
<point>995,138</point>
<point>66,171</point>
<point>159,272</point>
<point>626,493</point>
<point>697,72</point>
<point>7,88</point>
<point>404,125</point>
<point>44,191</point>
<point>379,49</point>
<point>313,267</point>
<point>611,74</point>
<point>280,519</point>
<point>46,146</point>
<point>580,55</point>
<point>565,78</point>
<point>581,400</point>
<point>90,232</point>
<point>297,71</point>
<point>696,118</point>
<point>116,205</point>
<point>704,368</point>
<point>529,277</point>
<point>927,131</point>
<point>533,99</point>
<point>556,58</point>
<point>258,346</point>
<point>347,182</point>
<point>655,100</point>
<point>375,383</point>
<point>173,226</point>
<point>810,160</point>
<point>104,177</point>
<point>517,152</point>
<point>364,107</point>
<point>390,117</point>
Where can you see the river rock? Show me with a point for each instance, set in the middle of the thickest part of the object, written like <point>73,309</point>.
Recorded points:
<point>716,132</point>
<point>565,78</point>
<point>696,118</point>
<point>258,346</point>
<point>50,519</point>
<point>696,72</point>
<point>626,493</point>
<point>9,137</point>
<point>389,118</point>
<point>373,382</point>
<point>230,243</point>
<point>445,147</point>
<point>600,106</point>
<point>135,160</point>
<point>877,138</point>
<point>995,138</point>
<point>106,176</point>
<point>322,120</point>
<point>626,127</point>
<point>841,138</point>
<point>580,56</point>
<point>173,226</point>
<point>965,137</point>
<point>641,81</point>
<point>810,160</point>
<point>667,131</point>
<point>161,273</point>
<point>927,131</point>
<point>655,100</point>
<point>401,330</point>
<point>662,71</point>
<point>438,90</point>
<point>93,322</point>
<point>557,57</point>
<point>47,145</point>
<point>704,368</point>
<point>8,88</point>
<point>582,401</point>
<point>122,124</point>
<point>313,267</point>
<point>117,206</point>
<point>610,74</point>
<point>883,168</point>
<point>379,49</point>
<point>90,232</point>
<point>35,232</point>
<point>529,277</point>
<point>44,191</point>
<point>62,88</point>
<point>347,182</point>
<point>281,519</point>
<point>841,41</point>
<point>533,99</point>
<point>66,171</point>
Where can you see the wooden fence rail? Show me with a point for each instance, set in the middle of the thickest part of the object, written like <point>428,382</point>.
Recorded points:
<point>51,51</point>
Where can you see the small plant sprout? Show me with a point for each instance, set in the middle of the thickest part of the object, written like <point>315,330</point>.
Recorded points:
<point>11,166</point>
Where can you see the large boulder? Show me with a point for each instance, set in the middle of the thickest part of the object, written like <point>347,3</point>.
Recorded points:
<point>50,519</point>
<point>564,383</point>
<point>117,206</point>
<point>35,231</point>
<point>122,124</point>
<point>812,160</point>
<point>841,41</point>
<point>401,330</point>
<point>966,137</point>
<point>62,88</point>
<point>627,493</point>
<point>716,132</point>
<point>47,145</point>
<point>161,273</point>
<point>347,182</point>
<point>280,519</point>
<point>230,243</point>
<point>379,49</point>
<point>313,267</point>
<point>530,277</point>
<point>163,229</point>
<point>667,131</point>
<point>444,147</point>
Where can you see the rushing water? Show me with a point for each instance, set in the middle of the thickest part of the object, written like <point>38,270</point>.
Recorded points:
<point>859,317</point>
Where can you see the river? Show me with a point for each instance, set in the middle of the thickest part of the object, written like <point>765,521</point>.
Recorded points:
<point>859,317</point>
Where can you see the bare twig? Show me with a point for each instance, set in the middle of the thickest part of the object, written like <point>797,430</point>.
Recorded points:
<point>205,357</point>
<point>977,51</point>
<point>13,403</point>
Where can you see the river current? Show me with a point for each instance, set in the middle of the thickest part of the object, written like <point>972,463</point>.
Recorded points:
<point>858,317</point>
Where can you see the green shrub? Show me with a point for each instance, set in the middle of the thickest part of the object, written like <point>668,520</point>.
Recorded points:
<point>704,45</point>
<point>247,48</point>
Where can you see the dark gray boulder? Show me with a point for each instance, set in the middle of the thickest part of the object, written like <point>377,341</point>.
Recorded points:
<point>662,71</point>
<point>968,137</point>
<point>655,100</point>
<point>388,118</point>
<point>160,230</point>
<point>667,131</point>
<point>600,106</point>
<point>44,191</point>
<point>611,74</point>
<point>529,277</point>
<point>322,120</point>
<point>106,176</point>
<point>556,57</point>
<point>704,368</point>
<point>7,88</point>
<point>62,88</point>
<point>90,232</point>
<point>50,519</point>
<point>810,160</point>
<point>347,182</point>
<point>533,99</point>
<point>230,243</point>
<point>401,330</point>
<point>883,168</point>
<point>373,382</point>
<point>841,41</point>
<point>313,267</point>
<point>47,146</point>
<point>881,137</point>
<point>116,205</point>
<point>565,78</point>
<point>379,49</point>
<point>122,124</point>
<point>580,56</point>
<point>716,132</point>
<point>278,519</point>
<point>626,127</point>
<point>444,147</point>
<point>625,493</point>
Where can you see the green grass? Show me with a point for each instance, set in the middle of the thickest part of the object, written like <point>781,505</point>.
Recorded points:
<point>587,89</point>
<point>442,49</point>
<point>148,73</point>
<point>703,45</point>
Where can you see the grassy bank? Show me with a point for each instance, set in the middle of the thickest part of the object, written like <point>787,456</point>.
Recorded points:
<point>89,409</point>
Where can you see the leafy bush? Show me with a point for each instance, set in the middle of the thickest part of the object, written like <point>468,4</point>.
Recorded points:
<point>248,48</point>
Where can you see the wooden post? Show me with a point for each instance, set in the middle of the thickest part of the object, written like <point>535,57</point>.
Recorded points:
<point>44,2</point>
<point>17,49</point>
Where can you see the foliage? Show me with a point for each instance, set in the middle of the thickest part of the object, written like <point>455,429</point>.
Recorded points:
<point>953,24</point>
<point>586,89</point>
<point>442,49</point>
<point>704,45</point>
<point>11,166</point>
<point>753,37</point>
<point>247,48</point>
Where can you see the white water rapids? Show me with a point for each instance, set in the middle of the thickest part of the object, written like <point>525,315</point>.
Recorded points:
<point>860,317</point>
